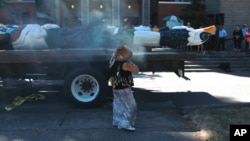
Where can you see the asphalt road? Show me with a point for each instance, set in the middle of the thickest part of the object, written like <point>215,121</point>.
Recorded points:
<point>161,99</point>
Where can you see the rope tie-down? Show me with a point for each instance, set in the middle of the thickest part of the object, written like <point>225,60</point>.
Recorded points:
<point>20,100</point>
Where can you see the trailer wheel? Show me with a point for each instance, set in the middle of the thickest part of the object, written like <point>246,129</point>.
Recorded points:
<point>85,88</point>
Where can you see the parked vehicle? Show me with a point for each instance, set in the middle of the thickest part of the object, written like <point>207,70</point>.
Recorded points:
<point>29,53</point>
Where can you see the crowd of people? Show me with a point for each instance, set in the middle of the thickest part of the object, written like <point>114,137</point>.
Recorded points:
<point>240,37</point>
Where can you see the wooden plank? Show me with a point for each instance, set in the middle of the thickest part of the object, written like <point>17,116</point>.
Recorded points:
<point>78,55</point>
<point>164,56</point>
<point>64,55</point>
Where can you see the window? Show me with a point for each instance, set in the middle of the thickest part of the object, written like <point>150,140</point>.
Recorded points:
<point>177,0</point>
<point>20,0</point>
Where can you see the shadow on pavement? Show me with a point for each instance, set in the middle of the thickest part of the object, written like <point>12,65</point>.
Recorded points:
<point>55,119</point>
<point>146,99</point>
<point>237,73</point>
<point>177,100</point>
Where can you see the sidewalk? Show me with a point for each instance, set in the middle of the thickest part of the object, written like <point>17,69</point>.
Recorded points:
<point>223,61</point>
<point>207,88</point>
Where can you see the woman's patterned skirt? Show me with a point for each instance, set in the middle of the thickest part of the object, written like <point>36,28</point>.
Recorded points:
<point>124,108</point>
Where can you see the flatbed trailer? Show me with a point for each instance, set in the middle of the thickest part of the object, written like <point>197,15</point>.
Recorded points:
<point>83,71</point>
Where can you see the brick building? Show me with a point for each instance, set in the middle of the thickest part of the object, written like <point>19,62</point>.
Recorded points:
<point>166,8</point>
<point>18,12</point>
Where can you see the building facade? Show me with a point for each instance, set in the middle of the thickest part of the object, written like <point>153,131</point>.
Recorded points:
<point>111,12</point>
<point>72,12</point>
<point>18,12</point>
<point>121,12</point>
<point>166,8</point>
<point>229,13</point>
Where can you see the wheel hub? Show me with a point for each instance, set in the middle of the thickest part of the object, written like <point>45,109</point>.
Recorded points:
<point>87,85</point>
<point>85,88</point>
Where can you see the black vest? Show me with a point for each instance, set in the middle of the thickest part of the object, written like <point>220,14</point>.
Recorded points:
<point>120,78</point>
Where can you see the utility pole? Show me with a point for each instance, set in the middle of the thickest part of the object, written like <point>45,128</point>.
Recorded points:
<point>85,12</point>
<point>145,12</point>
<point>116,12</point>
<point>57,11</point>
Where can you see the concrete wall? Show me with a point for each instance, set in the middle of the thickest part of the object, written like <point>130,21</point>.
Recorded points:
<point>213,6</point>
<point>236,12</point>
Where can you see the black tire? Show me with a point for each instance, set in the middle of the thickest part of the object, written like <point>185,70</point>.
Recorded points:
<point>86,88</point>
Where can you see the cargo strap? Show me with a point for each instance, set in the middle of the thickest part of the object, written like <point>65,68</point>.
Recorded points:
<point>20,100</point>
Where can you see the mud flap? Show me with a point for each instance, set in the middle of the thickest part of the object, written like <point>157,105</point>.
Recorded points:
<point>179,69</point>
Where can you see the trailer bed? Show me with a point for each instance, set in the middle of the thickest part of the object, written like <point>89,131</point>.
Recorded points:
<point>78,55</point>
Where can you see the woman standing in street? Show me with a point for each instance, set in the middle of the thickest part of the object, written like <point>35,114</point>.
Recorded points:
<point>120,74</point>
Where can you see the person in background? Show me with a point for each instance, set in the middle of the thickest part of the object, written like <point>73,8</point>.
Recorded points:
<point>155,29</point>
<point>120,75</point>
<point>244,31</point>
<point>247,39</point>
<point>237,38</point>
<point>189,47</point>
<point>189,25</point>
<point>222,36</point>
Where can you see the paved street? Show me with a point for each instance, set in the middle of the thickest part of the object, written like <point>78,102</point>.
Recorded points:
<point>204,88</point>
<point>160,98</point>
